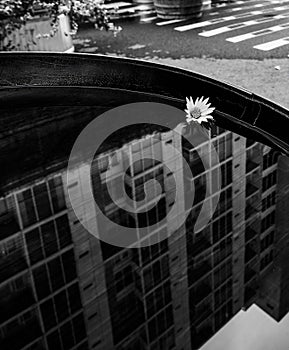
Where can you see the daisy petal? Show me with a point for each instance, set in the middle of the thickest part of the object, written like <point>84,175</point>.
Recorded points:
<point>206,107</point>
<point>206,100</point>
<point>200,101</point>
<point>205,119</point>
<point>203,106</point>
<point>202,119</point>
<point>209,111</point>
<point>199,111</point>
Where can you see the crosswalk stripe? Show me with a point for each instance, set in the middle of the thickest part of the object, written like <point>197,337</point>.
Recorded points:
<point>203,24</point>
<point>129,9</point>
<point>252,35</point>
<point>144,7</point>
<point>255,6</point>
<point>115,4</point>
<point>265,4</point>
<point>133,8</point>
<point>234,26</point>
<point>235,9</point>
<point>222,30</point>
<point>171,21</point>
<point>271,45</point>
<point>227,18</point>
<point>194,26</point>
<point>148,19</point>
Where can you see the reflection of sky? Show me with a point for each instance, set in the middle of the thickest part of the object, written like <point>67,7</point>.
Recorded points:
<point>251,330</point>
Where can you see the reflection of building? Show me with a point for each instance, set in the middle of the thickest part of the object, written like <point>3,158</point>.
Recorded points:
<point>39,283</point>
<point>142,299</point>
<point>228,261</point>
<point>210,252</point>
<point>61,288</point>
<point>274,296</point>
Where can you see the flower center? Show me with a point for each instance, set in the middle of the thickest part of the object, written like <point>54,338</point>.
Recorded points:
<point>196,112</point>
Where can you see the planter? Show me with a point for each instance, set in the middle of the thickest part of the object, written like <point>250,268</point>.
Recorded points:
<point>26,38</point>
<point>178,9</point>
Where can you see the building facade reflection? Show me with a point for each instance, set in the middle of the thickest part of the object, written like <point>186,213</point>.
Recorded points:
<point>62,288</point>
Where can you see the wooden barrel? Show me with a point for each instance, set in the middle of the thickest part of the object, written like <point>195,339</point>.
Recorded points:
<point>178,9</point>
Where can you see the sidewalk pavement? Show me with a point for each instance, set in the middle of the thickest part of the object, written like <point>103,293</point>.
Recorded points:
<point>268,78</point>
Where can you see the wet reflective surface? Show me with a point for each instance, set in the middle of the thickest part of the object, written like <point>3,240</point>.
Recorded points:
<point>63,288</point>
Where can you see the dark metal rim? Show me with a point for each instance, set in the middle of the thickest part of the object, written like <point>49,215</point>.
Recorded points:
<point>237,109</point>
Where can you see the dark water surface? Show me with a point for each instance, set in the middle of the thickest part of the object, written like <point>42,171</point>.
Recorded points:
<point>178,288</point>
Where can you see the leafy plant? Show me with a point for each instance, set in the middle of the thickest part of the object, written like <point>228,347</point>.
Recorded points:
<point>15,13</point>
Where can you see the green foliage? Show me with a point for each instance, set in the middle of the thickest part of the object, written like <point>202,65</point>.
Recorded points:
<point>15,13</point>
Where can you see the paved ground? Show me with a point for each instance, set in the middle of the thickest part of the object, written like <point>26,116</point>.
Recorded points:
<point>240,42</point>
<point>260,77</point>
<point>244,29</point>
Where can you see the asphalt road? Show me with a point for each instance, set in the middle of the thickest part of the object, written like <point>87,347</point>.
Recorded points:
<point>219,35</point>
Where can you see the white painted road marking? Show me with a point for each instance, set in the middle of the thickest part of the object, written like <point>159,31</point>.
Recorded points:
<point>252,35</point>
<point>271,45</point>
<point>265,4</point>
<point>203,24</point>
<point>115,4</point>
<point>148,19</point>
<point>228,18</point>
<point>226,29</point>
<point>234,26</point>
<point>172,21</point>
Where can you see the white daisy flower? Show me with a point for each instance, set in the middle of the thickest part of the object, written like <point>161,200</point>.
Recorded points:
<point>199,111</point>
